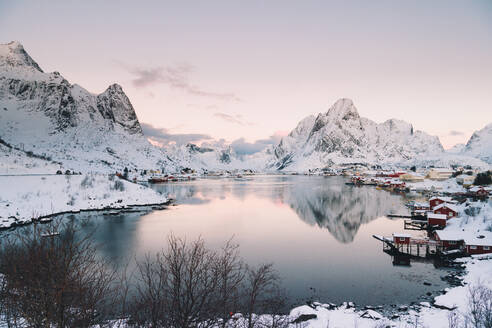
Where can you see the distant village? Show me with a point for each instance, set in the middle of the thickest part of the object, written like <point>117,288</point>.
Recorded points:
<point>444,194</point>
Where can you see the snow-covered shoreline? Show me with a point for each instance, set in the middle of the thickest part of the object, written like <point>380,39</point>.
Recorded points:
<point>27,198</point>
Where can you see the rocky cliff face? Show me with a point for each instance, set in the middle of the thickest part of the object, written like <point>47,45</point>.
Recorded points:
<point>341,135</point>
<point>44,113</point>
<point>480,144</point>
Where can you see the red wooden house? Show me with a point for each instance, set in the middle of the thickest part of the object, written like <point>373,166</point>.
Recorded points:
<point>401,238</point>
<point>480,191</point>
<point>449,210</point>
<point>478,243</point>
<point>434,201</point>
<point>434,219</point>
<point>449,239</point>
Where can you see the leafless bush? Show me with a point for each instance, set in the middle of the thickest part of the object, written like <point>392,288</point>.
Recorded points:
<point>189,285</point>
<point>118,185</point>
<point>87,182</point>
<point>479,306</point>
<point>178,287</point>
<point>262,294</point>
<point>453,319</point>
<point>53,279</point>
<point>71,201</point>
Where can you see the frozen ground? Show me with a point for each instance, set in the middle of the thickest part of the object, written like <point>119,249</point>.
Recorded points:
<point>23,198</point>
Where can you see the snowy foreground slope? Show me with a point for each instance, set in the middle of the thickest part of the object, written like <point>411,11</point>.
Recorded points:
<point>42,113</point>
<point>341,136</point>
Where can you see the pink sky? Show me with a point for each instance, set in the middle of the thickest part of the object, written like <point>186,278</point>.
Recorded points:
<point>254,69</point>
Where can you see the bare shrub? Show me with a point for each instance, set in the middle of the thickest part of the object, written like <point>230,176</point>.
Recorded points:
<point>189,285</point>
<point>71,201</point>
<point>53,279</point>
<point>178,285</point>
<point>453,319</point>
<point>118,185</point>
<point>87,182</point>
<point>479,306</point>
<point>262,294</point>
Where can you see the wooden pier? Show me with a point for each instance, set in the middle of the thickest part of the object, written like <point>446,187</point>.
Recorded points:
<point>416,247</point>
<point>415,225</point>
<point>399,216</point>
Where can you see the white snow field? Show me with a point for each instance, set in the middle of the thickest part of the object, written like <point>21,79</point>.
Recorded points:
<point>23,198</point>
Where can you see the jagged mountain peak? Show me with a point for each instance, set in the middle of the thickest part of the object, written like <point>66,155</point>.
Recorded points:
<point>115,87</point>
<point>480,144</point>
<point>394,124</point>
<point>13,55</point>
<point>115,105</point>
<point>341,135</point>
<point>343,109</point>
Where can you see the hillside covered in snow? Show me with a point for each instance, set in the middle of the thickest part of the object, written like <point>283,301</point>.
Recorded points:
<point>43,115</point>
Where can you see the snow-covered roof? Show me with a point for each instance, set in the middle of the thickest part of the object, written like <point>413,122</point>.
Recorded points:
<point>477,188</point>
<point>402,235</point>
<point>450,235</point>
<point>450,206</point>
<point>444,199</point>
<point>442,169</point>
<point>431,215</point>
<point>482,238</point>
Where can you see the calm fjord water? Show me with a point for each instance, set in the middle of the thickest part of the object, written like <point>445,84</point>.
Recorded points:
<point>317,231</point>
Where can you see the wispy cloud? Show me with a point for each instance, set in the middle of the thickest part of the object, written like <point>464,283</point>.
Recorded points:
<point>456,133</point>
<point>176,77</point>
<point>164,137</point>
<point>235,119</point>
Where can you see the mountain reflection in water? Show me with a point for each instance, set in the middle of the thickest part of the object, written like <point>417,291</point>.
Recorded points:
<point>317,231</point>
<point>322,201</point>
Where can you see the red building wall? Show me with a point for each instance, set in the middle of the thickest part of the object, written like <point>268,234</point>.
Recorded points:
<point>478,249</point>
<point>398,240</point>
<point>433,203</point>
<point>439,222</point>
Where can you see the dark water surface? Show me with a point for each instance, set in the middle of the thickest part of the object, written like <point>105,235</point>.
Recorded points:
<point>317,231</point>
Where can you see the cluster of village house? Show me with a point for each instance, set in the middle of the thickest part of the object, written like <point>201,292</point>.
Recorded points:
<point>438,211</point>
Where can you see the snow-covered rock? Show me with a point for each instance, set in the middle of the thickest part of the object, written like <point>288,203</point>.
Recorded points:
<point>480,144</point>
<point>217,156</point>
<point>340,135</point>
<point>43,114</point>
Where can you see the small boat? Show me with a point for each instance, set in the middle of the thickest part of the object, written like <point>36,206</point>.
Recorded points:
<point>158,179</point>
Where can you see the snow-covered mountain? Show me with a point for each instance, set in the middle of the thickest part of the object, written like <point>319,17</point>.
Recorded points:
<point>480,144</point>
<point>341,136</point>
<point>217,156</point>
<point>44,115</point>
